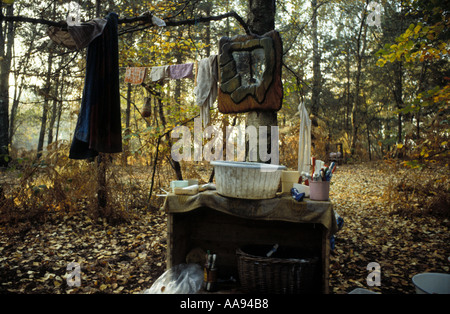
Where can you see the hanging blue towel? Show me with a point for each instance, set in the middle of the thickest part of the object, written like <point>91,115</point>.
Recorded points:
<point>99,126</point>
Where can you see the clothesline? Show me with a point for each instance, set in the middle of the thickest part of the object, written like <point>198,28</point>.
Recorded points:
<point>136,75</point>
<point>98,126</point>
<point>206,79</point>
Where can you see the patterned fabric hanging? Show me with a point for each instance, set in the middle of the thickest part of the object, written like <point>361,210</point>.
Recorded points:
<point>135,75</point>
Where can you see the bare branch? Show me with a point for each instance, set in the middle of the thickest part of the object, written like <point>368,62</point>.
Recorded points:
<point>33,21</point>
<point>143,19</point>
<point>211,18</point>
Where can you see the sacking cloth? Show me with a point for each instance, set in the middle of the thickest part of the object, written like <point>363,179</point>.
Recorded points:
<point>283,208</point>
<point>78,36</point>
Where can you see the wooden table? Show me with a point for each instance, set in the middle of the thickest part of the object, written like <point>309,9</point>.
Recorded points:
<point>220,224</point>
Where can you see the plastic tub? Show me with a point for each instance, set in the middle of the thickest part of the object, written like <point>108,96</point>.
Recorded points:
<point>248,180</point>
<point>432,283</point>
<point>178,184</point>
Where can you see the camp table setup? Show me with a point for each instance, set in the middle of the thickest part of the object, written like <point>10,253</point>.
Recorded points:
<point>259,238</point>
<point>228,226</point>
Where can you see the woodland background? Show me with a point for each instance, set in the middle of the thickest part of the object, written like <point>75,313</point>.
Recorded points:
<point>376,90</point>
<point>383,92</point>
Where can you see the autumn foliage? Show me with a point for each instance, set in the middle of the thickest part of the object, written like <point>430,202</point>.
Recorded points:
<point>392,187</point>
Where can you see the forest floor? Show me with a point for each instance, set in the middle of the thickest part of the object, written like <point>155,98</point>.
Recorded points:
<point>390,218</point>
<point>393,216</point>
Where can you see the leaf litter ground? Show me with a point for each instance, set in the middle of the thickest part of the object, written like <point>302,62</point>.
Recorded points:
<point>128,258</point>
<point>389,228</point>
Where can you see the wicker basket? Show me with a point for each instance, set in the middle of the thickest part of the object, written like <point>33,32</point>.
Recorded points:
<point>279,274</point>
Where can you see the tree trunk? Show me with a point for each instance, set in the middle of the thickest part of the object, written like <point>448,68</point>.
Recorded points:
<point>360,49</point>
<point>46,95</point>
<point>5,67</point>
<point>126,142</point>
<point>207,36</point>
<point>177,95</point>
<point>46,92</point>
<point>348,104</point>
<point>261,16</point>
<point>19,88</point>
<point>398,96</point>
<point>54,112</point>
<point>179,58</point>
<point>60,107</point>
<point>97,8</point>
<point>102,191</point>
<point>51,125</point>
<point>175,164</point>
<point>316,86</point>
<point>261,19</point>
<point>368,142</point>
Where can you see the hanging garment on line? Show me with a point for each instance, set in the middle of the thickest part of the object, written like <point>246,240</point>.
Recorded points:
<point>77,36</point>
<point>147,108</point>
<point>206,89</point>
<point>135,75</point>
<point>304,140</point>
<point>99,126</point>
<point>159,73</point>
<point>181,71</point>
<point>174,72</point>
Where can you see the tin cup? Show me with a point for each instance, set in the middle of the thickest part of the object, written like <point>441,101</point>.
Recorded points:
<point>319,190</point>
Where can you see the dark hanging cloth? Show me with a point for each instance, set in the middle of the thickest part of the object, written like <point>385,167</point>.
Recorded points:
<point>99,126</point>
